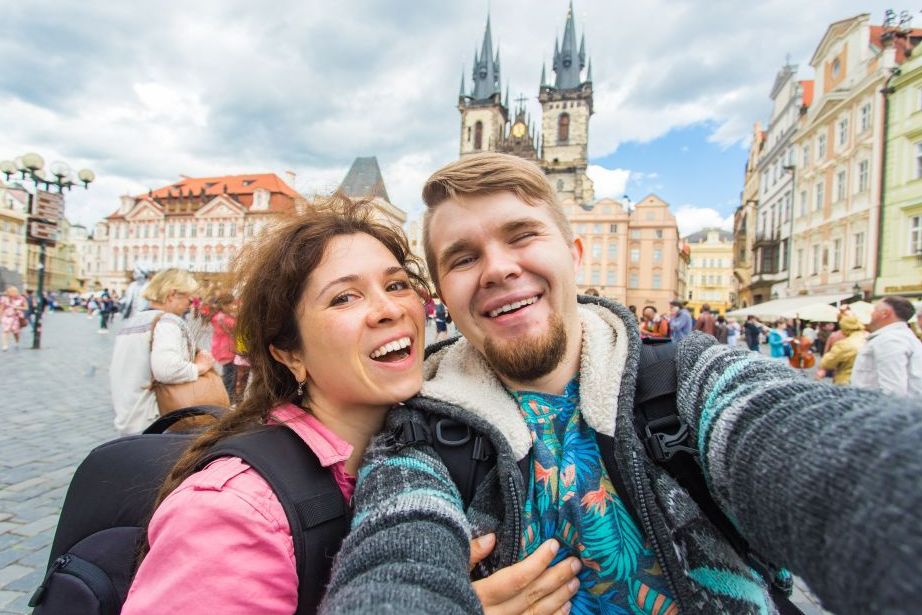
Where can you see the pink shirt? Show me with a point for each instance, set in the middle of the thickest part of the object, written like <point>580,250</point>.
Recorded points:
<point>220,543</point>
<point>222,342</point>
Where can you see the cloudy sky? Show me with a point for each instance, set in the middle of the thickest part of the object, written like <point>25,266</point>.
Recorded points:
<point>144,92</point>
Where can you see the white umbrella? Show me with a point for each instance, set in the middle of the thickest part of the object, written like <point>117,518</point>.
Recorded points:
<point>816,312</point>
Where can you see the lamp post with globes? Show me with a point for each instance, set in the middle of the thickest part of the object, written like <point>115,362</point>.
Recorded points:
<point>45,209</point>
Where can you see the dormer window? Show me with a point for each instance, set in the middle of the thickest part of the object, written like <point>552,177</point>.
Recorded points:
<point>249,182</point>
<point>260,199</point>
<point>836,67</point>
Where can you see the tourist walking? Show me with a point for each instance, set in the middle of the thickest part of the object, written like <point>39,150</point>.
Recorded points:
<point>841,358</point>
<point>680,322</point>
<point>733,332</point>
<point>753,330</point>
<point>13,308</point>
<point>891,360</point>
<point>222,340</point>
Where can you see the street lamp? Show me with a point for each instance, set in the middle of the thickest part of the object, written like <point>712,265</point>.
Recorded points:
<point>45,209</point>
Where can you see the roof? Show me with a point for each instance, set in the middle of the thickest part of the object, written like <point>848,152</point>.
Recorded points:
<point>807,86</point>
<point>903,43</point>
<point>364,180</point>
<point>702,235</point>
<point>238,187</point>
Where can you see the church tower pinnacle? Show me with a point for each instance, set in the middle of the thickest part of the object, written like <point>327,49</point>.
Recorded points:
<point>483,114</point>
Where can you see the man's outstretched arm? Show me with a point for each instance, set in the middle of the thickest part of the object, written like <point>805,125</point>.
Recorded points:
<point>822,479</point>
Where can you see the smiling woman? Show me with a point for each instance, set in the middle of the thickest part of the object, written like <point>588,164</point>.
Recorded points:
<point>331,315</point>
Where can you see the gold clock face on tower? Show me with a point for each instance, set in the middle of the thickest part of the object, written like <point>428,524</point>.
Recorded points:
<point>518,130</point>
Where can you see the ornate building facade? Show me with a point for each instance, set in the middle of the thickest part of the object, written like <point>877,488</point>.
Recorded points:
<point>710,269</point>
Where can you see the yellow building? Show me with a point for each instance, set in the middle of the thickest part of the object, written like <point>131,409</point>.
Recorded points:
<point>61,263</point>
<point>710,270</point>
<point>14,203</point>
<point>900,259</point>
<point>838,147</point>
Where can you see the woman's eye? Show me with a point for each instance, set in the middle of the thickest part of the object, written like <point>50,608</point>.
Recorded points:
<point>398,285</point>
<point>343,298</point>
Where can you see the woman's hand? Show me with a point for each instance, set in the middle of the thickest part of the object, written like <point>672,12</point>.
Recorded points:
<point>528,586</point>
<point>203,361</point>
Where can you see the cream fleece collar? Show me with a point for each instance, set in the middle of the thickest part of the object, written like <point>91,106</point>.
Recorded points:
<point>460,375</point>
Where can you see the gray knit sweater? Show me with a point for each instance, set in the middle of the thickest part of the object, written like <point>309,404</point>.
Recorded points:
<point>824,479</point>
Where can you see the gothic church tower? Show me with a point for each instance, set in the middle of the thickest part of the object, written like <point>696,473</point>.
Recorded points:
<point>565,107</point>
<point>483,115</point>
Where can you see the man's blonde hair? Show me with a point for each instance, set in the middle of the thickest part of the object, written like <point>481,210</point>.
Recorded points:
<point>167,281</point>
<point>483,174</point>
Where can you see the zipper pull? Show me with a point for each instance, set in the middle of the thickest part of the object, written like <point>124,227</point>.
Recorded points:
<point>59,563</point>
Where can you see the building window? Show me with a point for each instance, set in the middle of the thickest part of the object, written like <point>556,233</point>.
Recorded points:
<point>806,155</point>
<point>840,186</point>
<point>859,251</point>
<point>800,263</point>
<point>597,228</point>
<point>815,264</point>
<point>232,232</point>
<point>635,234</point>
<point>915,235</point>
<point>865,117</point>
<point>659,233</point>
<point>611,276</point>
<point>803,202</point>
<point>843,131</point>
<point>633,280</point>
<point>863,176</point>
<point>220,229</point>
<point>612,228</point>
<point>820,148</point>
<point>563,128</point>
<point>596,277</point>
<point>478,135</point>
<point>818,205</point>
<point>596,250</point>
<point>612,250</point>
<point>156,229</point>
<point>657,280</point>
<point>170,230</point>
<point>193,230</point>
<point>657,254</point>
<point>559,185</point>
<point>635,255</point>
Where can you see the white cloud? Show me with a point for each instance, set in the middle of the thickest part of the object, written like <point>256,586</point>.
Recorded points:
<point>307,88</point>
<point>691,219</point>
<point>610,183</point>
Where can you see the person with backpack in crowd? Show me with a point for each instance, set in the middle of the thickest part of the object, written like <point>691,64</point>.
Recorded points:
<point>753,330</point>
<point>549,379</point>
<point>331,315</point>
<point>706,322</point>
<point>680,321</point>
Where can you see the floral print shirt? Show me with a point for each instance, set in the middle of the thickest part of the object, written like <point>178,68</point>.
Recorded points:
<point>571,498</point>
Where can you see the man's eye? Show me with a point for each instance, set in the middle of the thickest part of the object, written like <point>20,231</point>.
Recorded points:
<point>461,262</point>
<point>524,236</point>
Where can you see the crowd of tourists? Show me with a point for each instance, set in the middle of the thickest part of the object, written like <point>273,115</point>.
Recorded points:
<point>558,456</point>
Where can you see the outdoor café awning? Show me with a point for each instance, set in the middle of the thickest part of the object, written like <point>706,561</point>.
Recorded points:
<point>787,308</point>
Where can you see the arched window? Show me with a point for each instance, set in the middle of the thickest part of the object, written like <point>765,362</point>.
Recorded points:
<point>478,135</point>
<point>563,128</point>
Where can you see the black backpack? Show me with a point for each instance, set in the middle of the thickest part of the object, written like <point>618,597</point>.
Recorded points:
<point>111,496</point>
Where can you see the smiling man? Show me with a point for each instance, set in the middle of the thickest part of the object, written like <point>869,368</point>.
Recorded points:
<point>548,378</point>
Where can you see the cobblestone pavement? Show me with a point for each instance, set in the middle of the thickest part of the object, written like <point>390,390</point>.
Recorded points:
<point>54,408</point>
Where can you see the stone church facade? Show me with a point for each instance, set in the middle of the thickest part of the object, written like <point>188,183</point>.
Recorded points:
<point>559,142</point>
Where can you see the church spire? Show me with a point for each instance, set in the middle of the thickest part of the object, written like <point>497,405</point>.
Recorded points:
<point>461,91</point>
<point>486,68</point>
<point>568,61</point>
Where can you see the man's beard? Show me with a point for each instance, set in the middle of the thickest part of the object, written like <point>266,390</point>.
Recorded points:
<point>527,358</point>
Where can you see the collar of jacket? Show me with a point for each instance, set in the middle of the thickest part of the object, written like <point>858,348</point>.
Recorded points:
<point>458,374</point>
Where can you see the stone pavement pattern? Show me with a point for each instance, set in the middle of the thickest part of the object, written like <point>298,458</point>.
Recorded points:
<point>54,408</point>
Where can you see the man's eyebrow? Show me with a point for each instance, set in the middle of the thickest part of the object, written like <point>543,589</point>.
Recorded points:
<point>520,224</point>
<point>454,248</point>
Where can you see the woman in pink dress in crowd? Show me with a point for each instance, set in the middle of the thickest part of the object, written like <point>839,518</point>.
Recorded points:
<point>12,315</point>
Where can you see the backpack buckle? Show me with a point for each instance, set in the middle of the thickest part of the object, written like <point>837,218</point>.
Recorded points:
<point>662,445</point>
<point>408,433</point>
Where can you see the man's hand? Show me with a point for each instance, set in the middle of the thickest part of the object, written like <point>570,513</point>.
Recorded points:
<point>528,586</point>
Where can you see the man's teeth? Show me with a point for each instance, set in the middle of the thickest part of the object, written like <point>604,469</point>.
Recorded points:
<point>512,306</point>
<point>400,344</point>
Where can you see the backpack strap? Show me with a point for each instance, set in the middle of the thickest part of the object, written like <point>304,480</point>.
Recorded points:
<point>317,514</point>
<point>668,442</point>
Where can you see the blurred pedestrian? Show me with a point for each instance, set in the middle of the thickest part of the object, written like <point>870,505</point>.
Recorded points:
<point>841,358</point>
<point>706,322</point>
<point>680,321</point>
<point>778,340</point>
<point>891,360</point>
<point>441,320</point>
<point>652,324</point>
<point>753,330</point>
<point>133,300</point>
<point>733,332</point>
<point>720,329</point>
<point>222,340</point>
<point>13,308</point>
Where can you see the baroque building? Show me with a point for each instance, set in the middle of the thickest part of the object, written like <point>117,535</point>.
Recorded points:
<point>744,223</point>
<point>560,146</point>
<point>710,269</point>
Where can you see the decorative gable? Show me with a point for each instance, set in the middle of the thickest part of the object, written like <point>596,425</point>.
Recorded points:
<point>221,207</point>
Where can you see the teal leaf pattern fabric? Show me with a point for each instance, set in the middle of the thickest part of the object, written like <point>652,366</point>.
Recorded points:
<point>571,498</point>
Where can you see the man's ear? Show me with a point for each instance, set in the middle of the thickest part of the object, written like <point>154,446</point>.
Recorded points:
<point>290,359</point>
<point>576,251</point>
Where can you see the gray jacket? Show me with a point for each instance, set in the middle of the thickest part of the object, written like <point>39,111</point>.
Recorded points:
<point>808,471</point>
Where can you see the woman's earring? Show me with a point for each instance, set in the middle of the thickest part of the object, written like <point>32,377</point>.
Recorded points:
<point>301,388</point>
